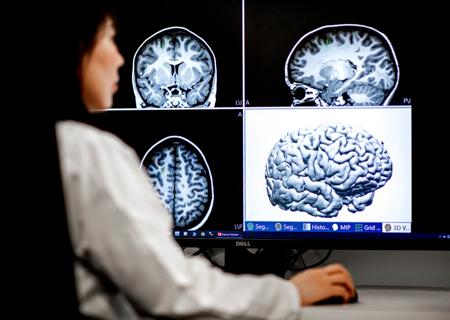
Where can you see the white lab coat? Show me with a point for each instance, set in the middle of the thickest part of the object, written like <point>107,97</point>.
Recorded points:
<point>116,219</point>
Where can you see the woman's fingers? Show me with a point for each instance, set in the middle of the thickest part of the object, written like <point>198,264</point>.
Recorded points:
<point>320,283</point>
<point>341,292</point>
<point>341,276</point>
<point>342,281</point>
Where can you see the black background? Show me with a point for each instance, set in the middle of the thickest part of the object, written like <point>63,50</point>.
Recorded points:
<point>274,27</point>
<point>38,255</point>
<point>216,132</point>
<point>218,23</point>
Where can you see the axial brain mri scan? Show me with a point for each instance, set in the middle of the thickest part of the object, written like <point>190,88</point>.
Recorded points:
<point>179,173</point>
<point>319,170</point>
<point>342,65</point>
<point>174,68</point>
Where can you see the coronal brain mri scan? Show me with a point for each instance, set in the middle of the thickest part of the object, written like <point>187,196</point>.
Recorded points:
<point>181,176</point>
<point>342,65</point>
<point>174,68</point>
<point>319,170</point>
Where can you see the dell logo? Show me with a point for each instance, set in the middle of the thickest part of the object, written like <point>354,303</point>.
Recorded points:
<point>243,244</point>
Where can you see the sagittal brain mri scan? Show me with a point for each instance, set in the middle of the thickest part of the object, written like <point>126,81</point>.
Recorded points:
<point>342,65</point>
<point>174,68</point>
<point>181,176</point>
<point>319,170</point>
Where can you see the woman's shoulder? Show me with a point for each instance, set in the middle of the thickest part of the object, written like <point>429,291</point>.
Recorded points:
<point>74,132</point>
<point>77,137</point>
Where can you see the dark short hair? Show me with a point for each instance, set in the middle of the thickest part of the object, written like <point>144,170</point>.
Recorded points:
<point>70,33</point>
<point>92,20</point>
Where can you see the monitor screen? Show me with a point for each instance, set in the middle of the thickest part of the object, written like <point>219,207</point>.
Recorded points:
<point>272,123</point>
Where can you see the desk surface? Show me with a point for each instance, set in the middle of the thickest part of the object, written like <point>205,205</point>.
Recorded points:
<point>379,303</point>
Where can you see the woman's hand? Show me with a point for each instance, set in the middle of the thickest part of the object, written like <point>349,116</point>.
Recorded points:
<point>317,284</point>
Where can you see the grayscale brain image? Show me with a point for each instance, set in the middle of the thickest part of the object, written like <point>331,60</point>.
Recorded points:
<point>174,68</point>
<point>342,65</point>
<point>181,176</point>
<point>320,170</point>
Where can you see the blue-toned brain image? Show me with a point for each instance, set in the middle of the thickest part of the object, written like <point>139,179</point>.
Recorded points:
<point>342,65</point>
<point>181,176</point>
<point>174,68</point>
<point>317,171</point>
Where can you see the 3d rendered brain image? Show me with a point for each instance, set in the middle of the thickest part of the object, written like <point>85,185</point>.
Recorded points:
<point>342,65</point>
<point>174,68</point>
<point>181,176</point>
<point>320,170</point>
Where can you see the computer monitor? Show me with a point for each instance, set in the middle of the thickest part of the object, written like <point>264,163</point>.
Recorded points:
<point>279,124</point>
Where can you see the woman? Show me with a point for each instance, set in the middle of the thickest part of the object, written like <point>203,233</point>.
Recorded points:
<point>120,231</point>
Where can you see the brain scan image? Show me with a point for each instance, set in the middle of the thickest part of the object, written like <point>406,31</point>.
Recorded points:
<point>174,68</point>
<point>342,65</point>
<point>320,170</point>
<point>181,176</point>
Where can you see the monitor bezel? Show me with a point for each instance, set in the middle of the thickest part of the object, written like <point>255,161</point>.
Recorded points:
<point>345,244</point>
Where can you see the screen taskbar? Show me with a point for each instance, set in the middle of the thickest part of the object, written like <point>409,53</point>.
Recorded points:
<point>374,227</point>
<point>296,235</point>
